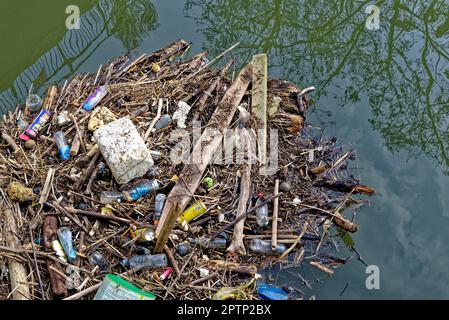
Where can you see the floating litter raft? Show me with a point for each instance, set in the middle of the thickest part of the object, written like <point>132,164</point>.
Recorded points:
<point>132,205</point>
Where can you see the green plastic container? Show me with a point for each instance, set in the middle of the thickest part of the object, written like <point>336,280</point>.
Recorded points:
<point>116,288</point>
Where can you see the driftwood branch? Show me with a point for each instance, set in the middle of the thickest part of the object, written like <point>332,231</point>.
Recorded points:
<point>163,236</point>
<point>274,224</point>
<point>17,270</point>
<point>245,193</point>
<point>231,266</point>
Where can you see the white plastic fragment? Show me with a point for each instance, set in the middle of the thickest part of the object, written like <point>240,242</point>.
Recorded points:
<point>180,115</point>
<point>203,272</point>
<point>63,118</point>
<point>124,150</point>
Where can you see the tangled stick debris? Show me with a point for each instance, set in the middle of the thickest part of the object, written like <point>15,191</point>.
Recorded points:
<point>237,221</point>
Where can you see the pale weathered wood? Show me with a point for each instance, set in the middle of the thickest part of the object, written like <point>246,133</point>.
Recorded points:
<point>52,92</point>
<point>169,223</point>
<point>206,147</point>
<point>17,270</point>
<point>47,187</point>
<point>231,266</point>
<point>259,102</point>
<point>274,229</point>
<point>10,142</point>
<point>237,244</point>
<point>237,237</point>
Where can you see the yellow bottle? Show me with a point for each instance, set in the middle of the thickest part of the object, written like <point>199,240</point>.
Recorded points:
<point>197,209</point>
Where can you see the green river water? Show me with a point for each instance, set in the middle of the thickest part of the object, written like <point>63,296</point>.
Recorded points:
<point>381,92</point>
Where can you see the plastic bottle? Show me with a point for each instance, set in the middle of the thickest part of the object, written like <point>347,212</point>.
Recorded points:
<point>22,124</point>
<point>33,102</point>
<point>262,212</point>
<point>163,122</point>
<point>261,246</point>
<point>95,98</point>
<point>159,202</point>
<point>140,250</point>
<point>108,197</point>
<point>217,243</point>
<point>141,189</point>
<point>143,235</point>
<point>96,258</point>
<point>102,170</point>
<point>61,143</point>
<point>146,261</point>
<point>197,209</point>
<point>153,172</point>
<point>65,237</point>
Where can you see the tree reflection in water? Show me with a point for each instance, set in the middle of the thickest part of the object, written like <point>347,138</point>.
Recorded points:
<point>402,68</point>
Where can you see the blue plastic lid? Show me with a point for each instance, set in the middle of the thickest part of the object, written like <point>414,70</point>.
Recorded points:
<point>270,292</point>
<point>64,152</point>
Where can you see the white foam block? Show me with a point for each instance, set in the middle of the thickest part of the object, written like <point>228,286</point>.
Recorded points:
<point>124,150</point>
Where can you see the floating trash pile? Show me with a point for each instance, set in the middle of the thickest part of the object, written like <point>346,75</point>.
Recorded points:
<point>162,177</point>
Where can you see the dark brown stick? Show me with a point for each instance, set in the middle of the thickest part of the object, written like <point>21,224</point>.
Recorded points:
<point>98,215</point>
<point>173,262</point>
<point>66,213</point>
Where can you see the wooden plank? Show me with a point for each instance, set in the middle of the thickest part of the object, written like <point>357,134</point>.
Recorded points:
<point>259,103</point>
<point>165,232</point>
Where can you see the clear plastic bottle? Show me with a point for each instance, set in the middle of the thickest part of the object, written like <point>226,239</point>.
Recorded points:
<point>153,172</point>
<point>141,250</point>
<point>141,189</point>
<point>262,212</point>
<point>33,102</point>
<point>96,258</point>
<point>108,197</point>
<point>261,246</point>
<point>22,124</point>
<point>61,143</point>
<point>65,237</point>
<point>217,243</point>
<point>150,261</point>
<point>159,202</point>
